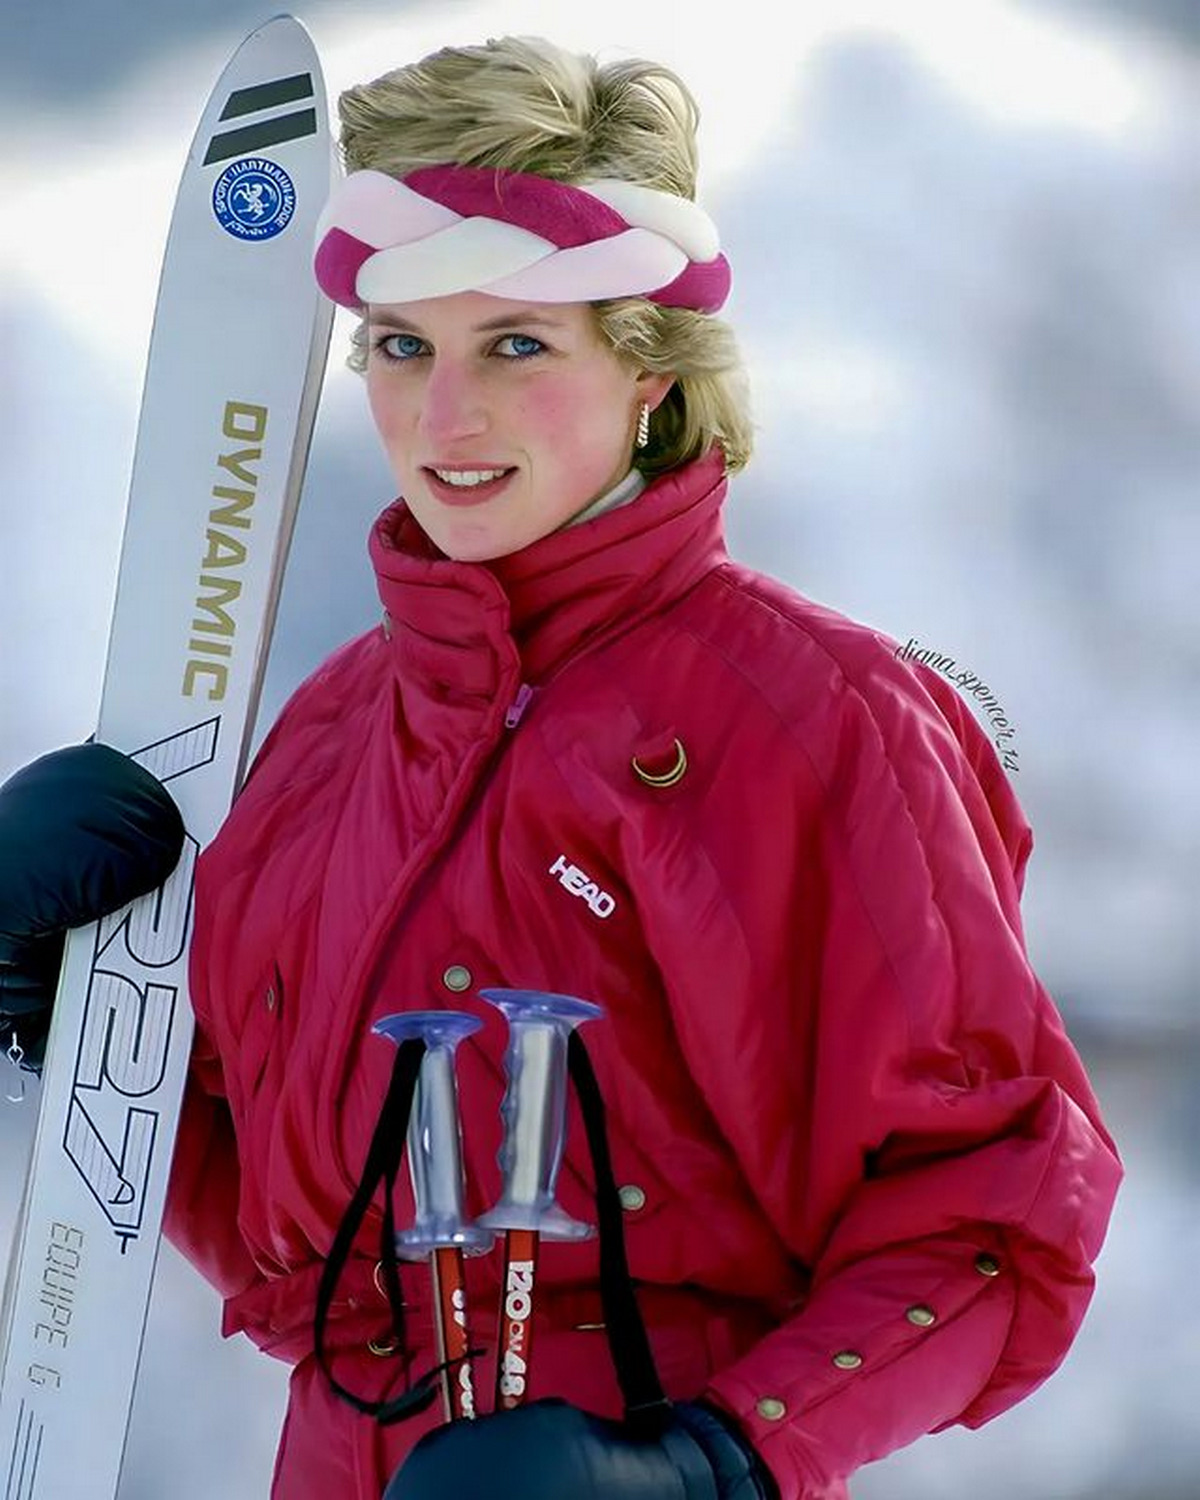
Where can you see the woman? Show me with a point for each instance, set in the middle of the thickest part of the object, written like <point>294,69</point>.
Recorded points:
<point>863,1176</point>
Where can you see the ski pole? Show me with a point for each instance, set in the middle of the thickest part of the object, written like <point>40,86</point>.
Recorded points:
<point>440,1231</point>
<point>535,1119</point>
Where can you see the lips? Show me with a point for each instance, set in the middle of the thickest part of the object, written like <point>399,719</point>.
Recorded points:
<point>467,494</point>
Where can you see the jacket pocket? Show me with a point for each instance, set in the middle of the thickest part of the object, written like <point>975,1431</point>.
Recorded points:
<point>256,1061</point>
<point>263,1025</point>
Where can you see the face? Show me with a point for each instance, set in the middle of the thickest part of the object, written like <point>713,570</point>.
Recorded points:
<point>501,420</point>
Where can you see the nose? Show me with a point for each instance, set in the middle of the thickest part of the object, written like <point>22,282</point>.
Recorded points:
<point>453,405</point>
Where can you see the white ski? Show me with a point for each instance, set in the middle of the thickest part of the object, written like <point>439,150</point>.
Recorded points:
<point>236,360</point>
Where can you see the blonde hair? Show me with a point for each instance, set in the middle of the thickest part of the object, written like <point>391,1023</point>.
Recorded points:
<point>523,104</point>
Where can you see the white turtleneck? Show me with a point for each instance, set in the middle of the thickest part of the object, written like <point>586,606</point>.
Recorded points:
<point>624,491</point>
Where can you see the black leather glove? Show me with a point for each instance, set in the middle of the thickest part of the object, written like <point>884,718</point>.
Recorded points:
<point>550,1450</point>
<point>83,831</point>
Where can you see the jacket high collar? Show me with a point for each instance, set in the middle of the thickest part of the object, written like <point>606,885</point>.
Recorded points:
<point>450,622</point>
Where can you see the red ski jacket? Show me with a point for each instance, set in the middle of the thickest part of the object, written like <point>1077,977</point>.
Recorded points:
<point>863,1173</point>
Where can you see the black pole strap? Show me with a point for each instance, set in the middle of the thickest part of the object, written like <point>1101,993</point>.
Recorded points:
<point>382,1166</point>
<point>647,1409</point>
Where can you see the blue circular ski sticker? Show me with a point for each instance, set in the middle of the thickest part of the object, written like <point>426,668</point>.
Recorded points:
<point>254,199</point>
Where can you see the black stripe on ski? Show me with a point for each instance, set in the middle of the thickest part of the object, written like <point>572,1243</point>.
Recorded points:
<point>21,1481</point>
<point>37,1458</point>
<point>268,95</point>
<point>255,137</point>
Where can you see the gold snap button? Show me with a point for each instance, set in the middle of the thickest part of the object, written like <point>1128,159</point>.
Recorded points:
<point>770,1407</point>
<point>383,1351</point>
<point>847,1359</point>
<point>987,1265</point>
<point>269,997</point>
<point>921,1315</point>
<point>457,978</point>
<point>632,1198</point>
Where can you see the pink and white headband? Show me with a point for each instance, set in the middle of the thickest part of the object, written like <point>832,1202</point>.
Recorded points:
<point>449,229</point>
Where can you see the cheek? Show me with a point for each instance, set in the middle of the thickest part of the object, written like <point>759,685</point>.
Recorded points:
<point>542,410</point>
<point>387,412</point>
<point>377,405</point>
<point>588,412</point>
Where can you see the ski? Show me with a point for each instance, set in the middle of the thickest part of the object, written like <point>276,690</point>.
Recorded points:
<point>237,355</point>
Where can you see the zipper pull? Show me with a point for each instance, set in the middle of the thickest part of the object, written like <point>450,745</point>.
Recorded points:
<point>517,708</point>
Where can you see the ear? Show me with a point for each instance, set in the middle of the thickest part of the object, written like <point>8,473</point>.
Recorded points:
<point>653,388</point>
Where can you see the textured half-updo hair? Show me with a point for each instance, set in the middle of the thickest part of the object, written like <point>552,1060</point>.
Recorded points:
<point>526,105</point>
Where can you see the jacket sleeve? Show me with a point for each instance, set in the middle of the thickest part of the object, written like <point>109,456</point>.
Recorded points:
<point>202,1195</point>
<point>201,1217</point>
<point>906,1105</point>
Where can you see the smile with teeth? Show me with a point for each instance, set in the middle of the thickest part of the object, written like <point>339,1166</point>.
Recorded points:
<point>464,478</point>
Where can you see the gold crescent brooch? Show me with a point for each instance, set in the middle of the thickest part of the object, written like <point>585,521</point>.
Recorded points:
<point>672,775</point>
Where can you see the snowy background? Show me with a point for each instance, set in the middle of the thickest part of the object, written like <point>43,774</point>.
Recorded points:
<point>966,244</point>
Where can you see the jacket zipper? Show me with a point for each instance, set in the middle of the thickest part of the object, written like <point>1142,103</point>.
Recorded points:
<point>517,707</point>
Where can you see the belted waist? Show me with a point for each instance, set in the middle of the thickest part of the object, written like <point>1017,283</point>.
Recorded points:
<point>277,1313</point>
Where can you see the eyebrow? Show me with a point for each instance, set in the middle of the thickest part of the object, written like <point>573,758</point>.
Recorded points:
<point>526,317</point>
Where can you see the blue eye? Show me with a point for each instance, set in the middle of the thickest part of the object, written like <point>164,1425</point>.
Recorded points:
<point>522,345</point>
<point>400,346</point>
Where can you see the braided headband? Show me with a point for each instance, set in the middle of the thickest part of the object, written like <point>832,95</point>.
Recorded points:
<point>449,229</point>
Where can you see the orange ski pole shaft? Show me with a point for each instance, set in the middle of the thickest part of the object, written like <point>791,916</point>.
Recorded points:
<point>515,1339</point>
<point>453,1339</point>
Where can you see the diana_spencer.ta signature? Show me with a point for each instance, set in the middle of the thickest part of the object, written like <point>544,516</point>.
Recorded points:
<point>970,684</point>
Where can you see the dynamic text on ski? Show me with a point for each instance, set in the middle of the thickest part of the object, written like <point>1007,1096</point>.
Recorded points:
<point>213,627</point>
